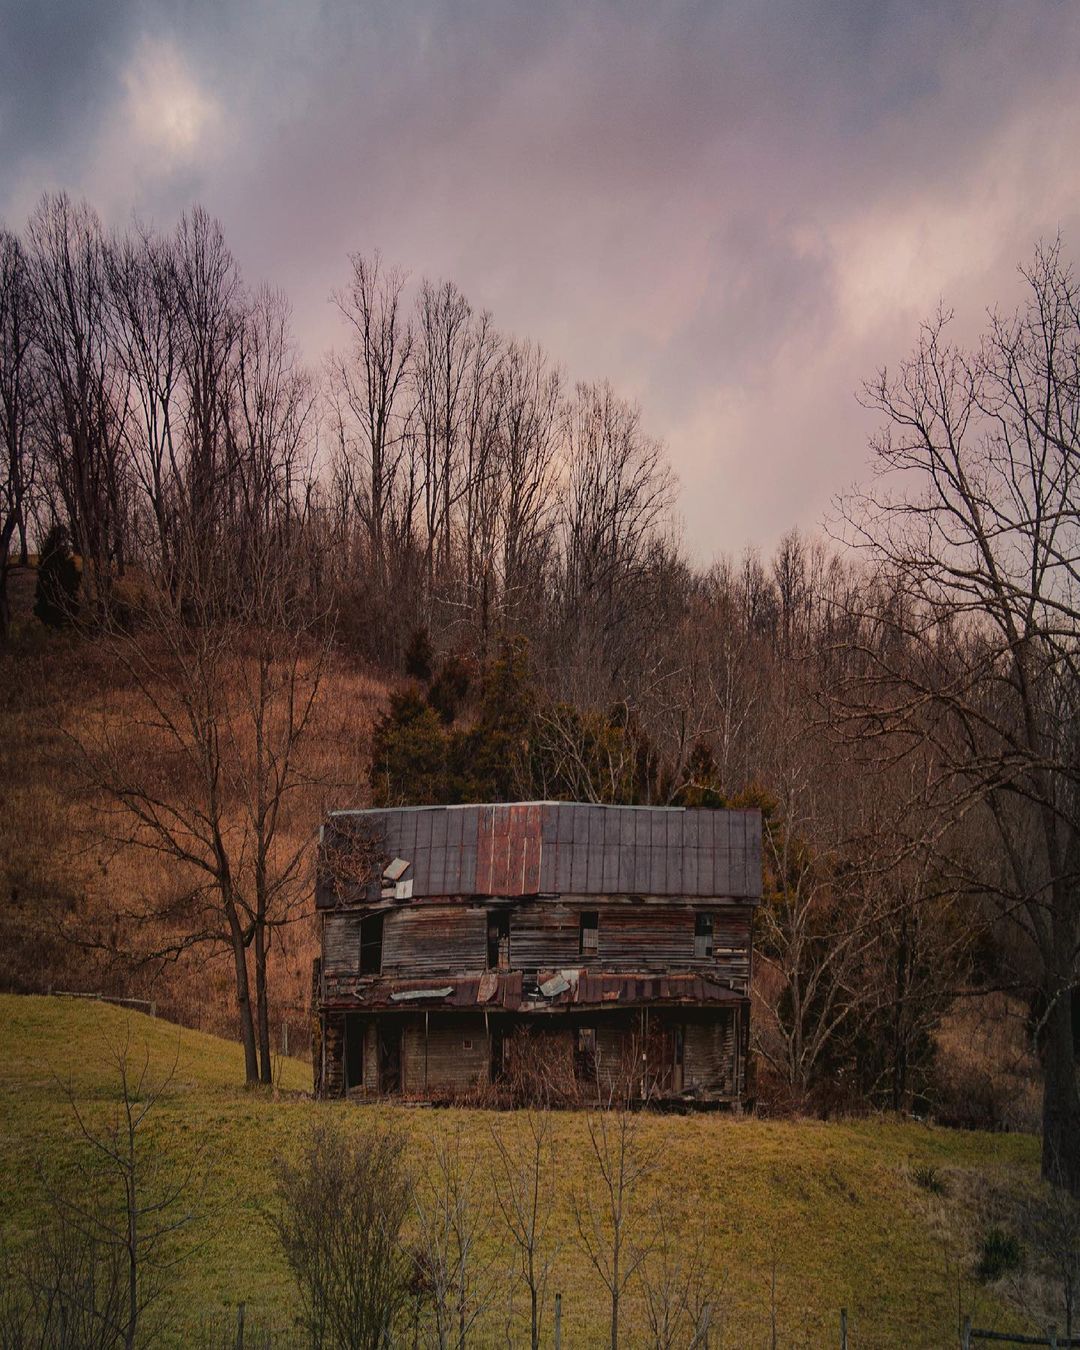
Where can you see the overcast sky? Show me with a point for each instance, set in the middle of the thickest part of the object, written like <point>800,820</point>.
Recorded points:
<point>734,211</point>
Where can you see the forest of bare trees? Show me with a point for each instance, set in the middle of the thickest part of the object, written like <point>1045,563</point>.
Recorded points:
<point>900,697</point>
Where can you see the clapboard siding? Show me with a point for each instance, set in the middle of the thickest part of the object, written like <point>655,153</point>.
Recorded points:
<point>542,936</point>
<point>456,1058</point>
<point>434,940</point>
<point>656,937</point>
<point>341,944</point>
<point>709,1055</point>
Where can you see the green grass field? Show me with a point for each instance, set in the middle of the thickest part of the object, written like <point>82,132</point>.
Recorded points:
<point>828,1213</point>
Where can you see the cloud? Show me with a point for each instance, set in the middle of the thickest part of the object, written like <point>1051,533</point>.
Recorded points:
<point>735,212</point>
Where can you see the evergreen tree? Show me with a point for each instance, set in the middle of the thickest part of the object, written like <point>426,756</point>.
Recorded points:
<point>57,599</point>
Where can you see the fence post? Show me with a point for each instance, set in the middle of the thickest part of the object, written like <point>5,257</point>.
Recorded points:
<point>285,1047</point>
<point>1052,1334</point>
<point>843,1329</point>
<point>558,1322</point>
<point>965,1335</point>
<point>703,1331</point>
<point>239,1326</point>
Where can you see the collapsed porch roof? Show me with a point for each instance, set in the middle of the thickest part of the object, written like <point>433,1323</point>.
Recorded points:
<point>493,990</point>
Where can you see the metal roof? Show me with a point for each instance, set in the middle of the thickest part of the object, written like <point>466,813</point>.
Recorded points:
<point>546,848</point>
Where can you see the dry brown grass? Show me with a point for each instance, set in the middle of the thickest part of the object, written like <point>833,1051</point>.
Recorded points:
<point>61,878</point>
<point>986,1067</point>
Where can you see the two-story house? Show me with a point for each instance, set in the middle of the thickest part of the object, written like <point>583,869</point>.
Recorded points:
<point>456,938</point>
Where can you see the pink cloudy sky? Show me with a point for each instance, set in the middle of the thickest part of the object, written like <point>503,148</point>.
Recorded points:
<point>736,211</point>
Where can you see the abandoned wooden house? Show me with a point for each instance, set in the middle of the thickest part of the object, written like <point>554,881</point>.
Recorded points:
<point>457,938</point>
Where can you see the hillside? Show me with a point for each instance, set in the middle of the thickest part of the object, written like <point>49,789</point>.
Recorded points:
<point>73,892</point>
<point>829,1213</point>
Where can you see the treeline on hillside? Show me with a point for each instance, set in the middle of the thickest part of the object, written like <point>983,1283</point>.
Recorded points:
<point>440,497</point>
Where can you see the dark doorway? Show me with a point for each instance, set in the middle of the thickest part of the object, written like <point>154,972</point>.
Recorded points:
<point>371,927</point>
<point>498,952</point>
<point>497,1054</point>
<point>354,1052</point>
<point>389,1058</point>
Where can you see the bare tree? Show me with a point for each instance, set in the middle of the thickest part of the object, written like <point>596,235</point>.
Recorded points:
<point>343,1204</point>
<point>524,1191</point>
<point>445,347</point>
<point>454,1278</point>
<point>680,1299</point>
<point>144,290</point>
<point>227,700</point>
<point>19,394</point>
<point>210,302</point>
<point>605,1203</point>
<point>84,388</point>
<point>126,1213</point>
<point>371,383</point>
<point>981,533</point>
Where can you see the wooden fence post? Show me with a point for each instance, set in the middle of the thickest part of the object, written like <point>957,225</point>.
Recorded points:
<point>703,1330</point>
<point>965,1335</point>
<point>239,1326</point>
<point>558,1322</point>
<point>1052,1334</point>
<point>843,1329</point>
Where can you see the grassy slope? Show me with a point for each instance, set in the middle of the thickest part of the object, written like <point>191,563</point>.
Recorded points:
<point>833,1205</point>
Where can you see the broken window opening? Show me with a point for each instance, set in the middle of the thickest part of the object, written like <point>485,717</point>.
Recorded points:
<point>371,933</point>
<point>589,933</point>
<point>585,1053</point>
<point>703,935</point>
<point>498,940</point>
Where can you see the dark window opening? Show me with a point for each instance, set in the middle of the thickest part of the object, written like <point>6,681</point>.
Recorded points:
<point>499,1054</point>
<point>354,1052</point>
<point>371,928</point>
<point>498,941</point>
<point>466,1043</point>
<point>585,1053</point>
<point>703,935</point>
<point>589,933</point>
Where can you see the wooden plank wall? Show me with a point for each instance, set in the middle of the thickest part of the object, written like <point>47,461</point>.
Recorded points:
<point>341,944</point>
<point>434,940</point>
<point>544,935</point>
<point>709,1055</point>
<point>452,1064</point>
<point>656,936</point>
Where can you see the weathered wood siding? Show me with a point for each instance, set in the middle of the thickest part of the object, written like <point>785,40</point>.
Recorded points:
<point>543,935</point>
<point>709,1056</point>
<point>341,944</point>
<point>434,939</point>
<point>457,1056</point>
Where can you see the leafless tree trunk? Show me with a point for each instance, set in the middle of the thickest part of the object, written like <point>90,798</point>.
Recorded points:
<point>85,391</point>
<point>525,1192</point>
<point>607,1219</point>
<point>18,398</point>
<point>456,1281</point>
<point>371,383</point>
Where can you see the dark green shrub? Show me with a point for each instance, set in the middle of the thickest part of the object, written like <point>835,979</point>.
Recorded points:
<point>449,688</point>
<point>57,600</point>
<point>929,1179</point>
<point>419,655</point>
<point>1001,1255</point>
